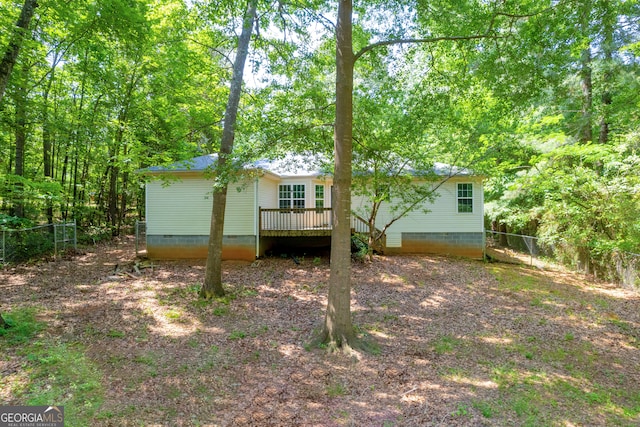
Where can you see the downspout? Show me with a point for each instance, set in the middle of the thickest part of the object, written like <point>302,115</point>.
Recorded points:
<point>256,217</point>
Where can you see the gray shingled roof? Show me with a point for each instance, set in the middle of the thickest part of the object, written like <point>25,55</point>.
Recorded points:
<point>290,166</point>
<point>294,165</point>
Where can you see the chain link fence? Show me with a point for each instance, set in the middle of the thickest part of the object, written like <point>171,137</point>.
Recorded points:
<point>28,243</point>
<point>627,266</point>
<point>517,248</point>
<point>620,267</point>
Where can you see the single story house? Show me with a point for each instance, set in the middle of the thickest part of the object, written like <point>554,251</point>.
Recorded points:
<point>281,203</point>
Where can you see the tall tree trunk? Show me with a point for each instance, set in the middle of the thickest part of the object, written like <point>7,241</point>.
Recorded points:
<point>46,138</point>
<point>123,195</point>
<point>63,180</point>
<point>11,54</point>
<point>112,199</point>
<point>338,329</point>
<point>87,156</point>
<point>21,137</point>
<point>608,22</point>
<point>585,133</point>
<point>213,275</point>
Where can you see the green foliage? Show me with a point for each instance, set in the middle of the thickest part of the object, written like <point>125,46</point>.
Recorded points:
<point>359,249</point>
<point>24,245</point>
<point>577,195</point>
<point>22,326</point>
<point>8,222</point>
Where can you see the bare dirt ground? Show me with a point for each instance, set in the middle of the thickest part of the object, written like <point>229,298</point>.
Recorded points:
<point>460,342</point>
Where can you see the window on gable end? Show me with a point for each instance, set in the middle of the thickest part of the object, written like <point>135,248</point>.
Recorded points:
<point>465,198</point>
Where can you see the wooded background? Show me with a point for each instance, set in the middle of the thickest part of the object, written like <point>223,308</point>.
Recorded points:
<point>542,97</point>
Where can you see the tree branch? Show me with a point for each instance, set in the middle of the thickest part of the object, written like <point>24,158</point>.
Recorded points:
<point>419,40</point>
<point>486,35</point>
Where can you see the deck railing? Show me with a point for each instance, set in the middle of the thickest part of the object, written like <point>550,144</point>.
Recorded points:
<point>305,219</point>
<point>295,219</point>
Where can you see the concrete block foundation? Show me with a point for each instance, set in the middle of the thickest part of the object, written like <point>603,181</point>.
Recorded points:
<point>195,247</point>
<point>460,244</point>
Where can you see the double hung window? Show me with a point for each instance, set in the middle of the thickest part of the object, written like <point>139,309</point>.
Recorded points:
<point>465,198</point>
<point>291,196</point>
<point>319,198</point>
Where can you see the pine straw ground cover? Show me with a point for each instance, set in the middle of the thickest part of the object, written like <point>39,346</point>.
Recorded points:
<point>459,342</point>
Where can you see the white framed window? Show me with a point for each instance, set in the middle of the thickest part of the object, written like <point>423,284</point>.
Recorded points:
<point>291,196</point>
<point>465,198</point>
<point>319,198</point>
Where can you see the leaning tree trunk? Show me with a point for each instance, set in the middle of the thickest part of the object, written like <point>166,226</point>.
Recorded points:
<point>338,329</point>
<point>11,54</point>
<point>213,275</point>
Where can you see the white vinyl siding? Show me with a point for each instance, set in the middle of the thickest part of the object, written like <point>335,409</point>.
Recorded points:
<point>184,208</point>
<point>443,215</point>
<point>267,193</point>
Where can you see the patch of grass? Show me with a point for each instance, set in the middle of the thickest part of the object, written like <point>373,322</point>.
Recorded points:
<point>534,397</point>
<point>486,409</point>
<point>61,374</point>
<point>226,300</point>
<point>537,302</point>
<point>260,330</point>
<point>506,376</point>
<point>622,325</point>
<point>145,359</point>
<point>173,314</point>
<point>194,288</point>
<point>247,292</point>
<point>336,389</point>
<point>514,279</point>
<point>555,354</point>
<point>114,333</point>
<point>454,374</point>
<point>22,326</point>
<point>237,335</point>
<point>390,318</point>
<point>446,344</point>
<point>462,410</point>
<point>221,310</point>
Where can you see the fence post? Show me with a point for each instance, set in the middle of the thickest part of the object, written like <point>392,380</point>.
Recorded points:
<point>55,241</point>
<point>137,235</point>
<point>75,235</point>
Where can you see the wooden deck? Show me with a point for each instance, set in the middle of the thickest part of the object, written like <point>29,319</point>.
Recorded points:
<point>302,222</point>
<point>295,222</point>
